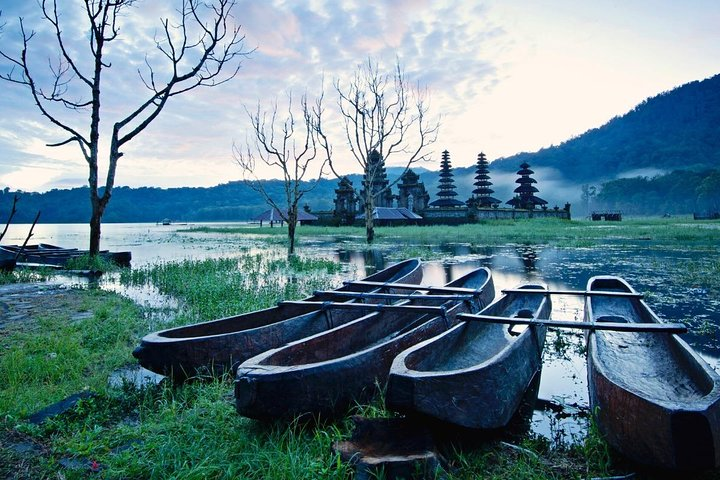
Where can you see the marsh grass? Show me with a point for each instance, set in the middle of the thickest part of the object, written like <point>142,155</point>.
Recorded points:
<point>22,275</point>
<point>547,231</point>
<point>216,288</point>
<point>92,263</point>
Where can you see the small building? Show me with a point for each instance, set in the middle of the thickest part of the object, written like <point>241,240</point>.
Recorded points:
<point>392,216</point>
<point>345,203</point>
<point>274,216</point>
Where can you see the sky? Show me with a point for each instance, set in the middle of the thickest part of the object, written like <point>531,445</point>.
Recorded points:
<point>503,76</point>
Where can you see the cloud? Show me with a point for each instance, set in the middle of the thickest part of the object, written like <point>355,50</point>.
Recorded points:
<point>506,76</point>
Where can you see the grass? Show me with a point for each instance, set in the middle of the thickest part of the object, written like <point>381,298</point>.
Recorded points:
<point>92,263</point>
<point>562,233</point>
<point>58,355</point>
<point>192,431</point>
<point>21,275</point>
<point>216,288</point>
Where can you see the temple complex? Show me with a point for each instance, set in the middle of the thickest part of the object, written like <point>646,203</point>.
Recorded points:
<point>412,203</point>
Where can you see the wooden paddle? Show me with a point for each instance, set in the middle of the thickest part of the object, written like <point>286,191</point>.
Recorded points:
<point>613,326</point>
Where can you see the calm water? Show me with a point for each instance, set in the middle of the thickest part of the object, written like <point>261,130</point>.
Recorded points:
<point>563,386</point>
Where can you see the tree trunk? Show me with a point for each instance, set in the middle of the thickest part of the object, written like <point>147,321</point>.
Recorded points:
<point>95,220</point>
<point>292,225</point>
<point>291,239</point>
<point>369,221</point>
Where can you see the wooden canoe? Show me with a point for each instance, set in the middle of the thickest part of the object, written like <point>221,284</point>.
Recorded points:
<point>325,374</point>
<point>7,265</point>
<point>215,347</point>
<point>45,254</point>
<point>475,374</point>
<point>655,399</point>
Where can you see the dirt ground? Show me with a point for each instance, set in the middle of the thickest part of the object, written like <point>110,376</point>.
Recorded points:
<point>25,302</point>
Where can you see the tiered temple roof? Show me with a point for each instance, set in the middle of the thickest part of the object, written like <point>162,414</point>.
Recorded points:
<point>526,191</point>
<point>447,185</point>
<point>482,194</point>
<point>376,176</point>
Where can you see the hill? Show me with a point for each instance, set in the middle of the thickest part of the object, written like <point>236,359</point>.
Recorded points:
<point>675,129</point>
<point>672,136</point>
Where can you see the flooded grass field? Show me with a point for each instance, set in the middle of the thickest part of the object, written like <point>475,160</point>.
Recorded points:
<point>676,265</point>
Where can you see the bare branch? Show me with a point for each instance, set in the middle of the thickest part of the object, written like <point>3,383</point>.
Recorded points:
<point>383,113</point>
<point>288,146</point>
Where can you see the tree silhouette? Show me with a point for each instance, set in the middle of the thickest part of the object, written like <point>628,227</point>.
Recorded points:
<point>200,49</point>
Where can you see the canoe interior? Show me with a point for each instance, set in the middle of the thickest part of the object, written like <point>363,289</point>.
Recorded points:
<point>473,343</point>
<point>364,333</point>
<point>654,365</point>
<point>408,269</point>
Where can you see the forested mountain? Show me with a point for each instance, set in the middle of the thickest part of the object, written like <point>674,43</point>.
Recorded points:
<point>678,192</point>
<point>676,129</point>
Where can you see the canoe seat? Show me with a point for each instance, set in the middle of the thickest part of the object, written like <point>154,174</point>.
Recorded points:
<point>611,319</point>
<point>516,330</point>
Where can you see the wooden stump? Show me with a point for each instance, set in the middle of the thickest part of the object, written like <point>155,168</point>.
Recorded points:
<point>395,447</point>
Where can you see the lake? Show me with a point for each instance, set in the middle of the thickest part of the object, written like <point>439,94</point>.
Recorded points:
<point>563,393</point>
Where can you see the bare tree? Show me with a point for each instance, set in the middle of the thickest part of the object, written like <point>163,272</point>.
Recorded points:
<point>202,49</point>
<point>13,211</point>
<point>288,145</point>
<point>382,113</point>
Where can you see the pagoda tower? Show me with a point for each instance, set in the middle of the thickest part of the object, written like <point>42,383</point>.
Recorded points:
<point>481,196</point>
<point>447,185</point>
<point>526,191</point>
<point>376,176</point>
<point>345,204</point>
<point>412,194</point>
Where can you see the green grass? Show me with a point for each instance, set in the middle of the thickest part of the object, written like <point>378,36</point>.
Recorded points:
<point>216,288</point>
<point>192,431</point>
<point>22,275</point>
<point>562,233</point>
<point>93,263</point>
<point>42,363</point>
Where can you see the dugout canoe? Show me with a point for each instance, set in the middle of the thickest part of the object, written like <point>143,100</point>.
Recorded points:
<point>7,265</point>
<point>475,374</point>
<point>323,375</point>
<point>655,399</point>
<point>45,254</point>
<point>217,346</point>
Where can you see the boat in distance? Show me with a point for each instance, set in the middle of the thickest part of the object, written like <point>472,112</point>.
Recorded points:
<point>325,374</point>
<point>655,399</point>
<point>215,347</point>
<point>475,374</point>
